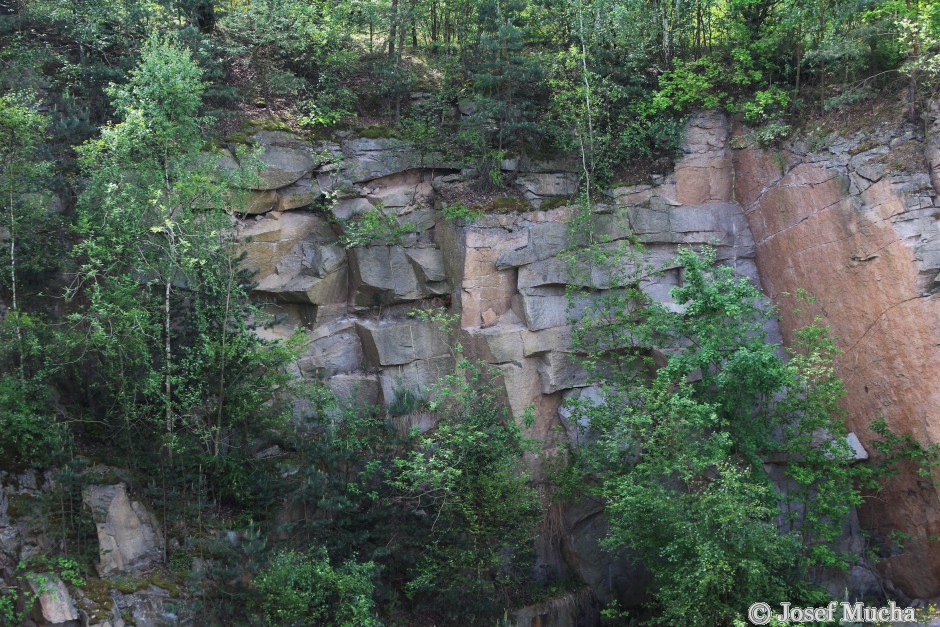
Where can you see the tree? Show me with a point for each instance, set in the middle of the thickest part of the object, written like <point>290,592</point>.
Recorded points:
<point>298,589</point>
<point>166,334</point>
<point>678,450</point>
<point>29,432</point>
<point>468,493</point>
<point>22,174</point>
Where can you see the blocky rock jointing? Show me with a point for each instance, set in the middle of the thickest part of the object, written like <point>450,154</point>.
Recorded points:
<point>828,223</point>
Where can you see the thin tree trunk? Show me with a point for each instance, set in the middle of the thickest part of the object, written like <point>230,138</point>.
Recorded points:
<point>221,401</point>
<point>393,31</point>
<point>912,9</point>
<point>167,386</point>
<point>588,169</point>
<point>19,332</point>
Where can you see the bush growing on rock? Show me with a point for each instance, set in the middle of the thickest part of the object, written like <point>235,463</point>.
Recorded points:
<point>682,450</point>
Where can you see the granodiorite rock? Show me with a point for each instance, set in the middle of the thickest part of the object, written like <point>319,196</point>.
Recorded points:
<point>399,342</point>
<point>840,224</point>
<point>300,194</point>
<point>55,602</point>
<point>704,174</point>
<point>863,249</point>
<point>285,159</point>
<point>383,275</point>
<point>129,537</point>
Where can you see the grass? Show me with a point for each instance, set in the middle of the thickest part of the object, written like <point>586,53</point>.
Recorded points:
<point>552,203</point>
<point>376,131</point>
<point>405,402</point>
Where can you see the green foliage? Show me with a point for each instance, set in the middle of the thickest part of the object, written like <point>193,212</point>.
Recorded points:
<point>8,613</point>
<point>29,435</point>
<point>650,138</point>
<point>690,85</point>
<point>153,355</point>
<point>771,133</point>
<point>168,314</point>
<point>404,402</point>
<point>67,569</point>
<point>678,450</point>
<point>374,225</point>
<point>466,480</point>
<point>301,588</point>
<point>461,213</point>
<point>466,484</point>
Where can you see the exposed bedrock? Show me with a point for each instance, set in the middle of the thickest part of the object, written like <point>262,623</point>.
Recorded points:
<point>861,235</point>
<point>862,240</point>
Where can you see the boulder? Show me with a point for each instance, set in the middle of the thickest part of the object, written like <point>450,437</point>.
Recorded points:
<point>537,185</point>
<point>420,220</point>
<point>259,202</point>
<point>268,241</point>
<point>545,240</point>
<point>383,275</point>
<point>631,195</point>
<point>705,174</point>
<point>471,253</point>
<point>225,160</point>
<point>129,537</point>
<point>368,159</point>
<point>150,607</point>
<point>417,377</point>
<point>285,157</point>
<point>560,371</point>
<point>572,609</point>
<point>398,342</point>
<point>55,602</point>
<point>428,263</point>
<point>362,389</point>
<point>558,271</point>
<point>522,386</point>
<point>345,209</point>
<point>300,194</point>
<point>543,307</point>
<point>326,356</point>
<point>497,344</point>
<point>395,198</point>
<point>577,427</point>
<point>310,273</point>
<point>283,166</point>
<point>545,340</point>
<point>610,576</point>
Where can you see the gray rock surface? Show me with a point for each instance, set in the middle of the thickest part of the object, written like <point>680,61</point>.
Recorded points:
<point>506,277</point>
<point>129,537</point>
<point>285,158</point>
<point>400,342</point>
<point>56,604</point>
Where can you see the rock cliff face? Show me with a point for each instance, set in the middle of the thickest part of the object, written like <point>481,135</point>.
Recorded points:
<point>838,223</point>
<point>849,225</point>
<point>504,274</point>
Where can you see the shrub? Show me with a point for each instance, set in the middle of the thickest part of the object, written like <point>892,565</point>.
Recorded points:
<point>373,225</point>
<point>304,589</point>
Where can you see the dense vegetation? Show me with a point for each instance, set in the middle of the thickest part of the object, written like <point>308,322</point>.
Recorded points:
<point>128,336</point>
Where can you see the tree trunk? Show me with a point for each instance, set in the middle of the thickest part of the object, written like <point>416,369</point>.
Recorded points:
<point>167,386</point>
<point>393,31</point>
<point>912,9</point>
<point>19,332</point>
